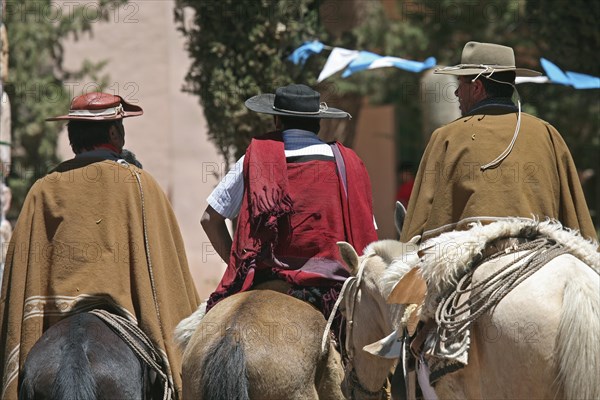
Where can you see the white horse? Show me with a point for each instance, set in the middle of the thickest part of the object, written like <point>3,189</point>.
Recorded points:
<point>541,339</point>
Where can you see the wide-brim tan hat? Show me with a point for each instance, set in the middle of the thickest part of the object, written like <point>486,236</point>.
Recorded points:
<point>294,100</point>
<point>485,58</point>
<point>99,106</point>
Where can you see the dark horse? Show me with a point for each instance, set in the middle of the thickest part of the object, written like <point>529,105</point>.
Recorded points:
<point>82,358</point>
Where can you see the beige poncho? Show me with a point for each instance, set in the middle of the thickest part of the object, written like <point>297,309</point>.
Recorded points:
<point>78,244</point>
<point>537,179</point>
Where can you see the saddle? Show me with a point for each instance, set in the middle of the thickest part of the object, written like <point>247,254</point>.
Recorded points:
<point>440,283</point>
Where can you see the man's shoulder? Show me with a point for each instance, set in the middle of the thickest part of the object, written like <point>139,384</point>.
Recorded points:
<point>275,135</point>
<point>534,119</point>
<point>448,128</point>
<point>346,151</point>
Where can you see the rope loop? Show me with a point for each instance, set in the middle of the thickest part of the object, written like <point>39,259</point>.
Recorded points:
<point>454,315</point>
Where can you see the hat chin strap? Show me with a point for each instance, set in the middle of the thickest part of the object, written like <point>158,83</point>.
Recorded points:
<point>496,162</point>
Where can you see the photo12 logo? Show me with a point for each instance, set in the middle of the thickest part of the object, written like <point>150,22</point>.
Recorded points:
<point>66,11</point>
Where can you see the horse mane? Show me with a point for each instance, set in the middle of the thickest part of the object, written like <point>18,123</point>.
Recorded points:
<point>399,258</point>
<point>394,254</point>
<point>448,256</point>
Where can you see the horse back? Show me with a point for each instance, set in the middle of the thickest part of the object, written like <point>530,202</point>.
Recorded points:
<point>525,339</point>
<point>272,337</point>
<point>81,358</point>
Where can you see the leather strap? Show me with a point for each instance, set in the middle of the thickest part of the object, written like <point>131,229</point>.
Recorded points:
<point>341,167</point>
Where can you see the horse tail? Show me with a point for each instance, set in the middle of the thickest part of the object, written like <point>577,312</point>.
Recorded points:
<point>74,378</point>
<point>224,374</point>
<point>187,326</point>
<point>578,337</point>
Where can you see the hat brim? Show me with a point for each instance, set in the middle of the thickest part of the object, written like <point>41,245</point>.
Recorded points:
<point>129,110</point>
<point>263,103</point>
<point>126,114</point>
<point>457,71</point>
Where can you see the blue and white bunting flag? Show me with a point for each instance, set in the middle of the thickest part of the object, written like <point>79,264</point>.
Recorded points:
<point>302,53</point>
<point>575,79</point>
<point>360,63</point>
<point>531,79</point>
<point>401,63</point>
<point>583,81</point>
<point>337,61</point>
<point>352,61</point>
<point>367,60</point>
<point>555,74</point>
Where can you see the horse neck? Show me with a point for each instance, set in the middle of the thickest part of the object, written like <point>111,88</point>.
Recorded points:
<point>372,322</point>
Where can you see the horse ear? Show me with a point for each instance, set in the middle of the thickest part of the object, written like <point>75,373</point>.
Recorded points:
<point>415,239</point>
<point>349,256</point>
<point>399,215</point>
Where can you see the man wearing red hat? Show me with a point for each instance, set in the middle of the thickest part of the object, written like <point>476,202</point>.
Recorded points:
<point>96,232</point>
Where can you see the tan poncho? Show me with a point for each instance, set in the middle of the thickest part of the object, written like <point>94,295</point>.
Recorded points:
<point>538,178</point>
<point>78,244</point>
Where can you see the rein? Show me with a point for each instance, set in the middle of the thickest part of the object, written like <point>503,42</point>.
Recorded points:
<point>141,345</point>
<point>349,294</point>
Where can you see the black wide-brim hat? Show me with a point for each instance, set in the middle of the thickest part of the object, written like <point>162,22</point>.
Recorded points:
<point>294,100</point>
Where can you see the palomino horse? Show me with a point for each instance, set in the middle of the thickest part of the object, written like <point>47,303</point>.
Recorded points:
<point>82,358</point>
<point>537,331</point>
<point>261,344</point>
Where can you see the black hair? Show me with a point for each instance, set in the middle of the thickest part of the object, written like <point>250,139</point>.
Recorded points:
<point>307,124</point>
<point>86,135</point>
<point>496,89</point>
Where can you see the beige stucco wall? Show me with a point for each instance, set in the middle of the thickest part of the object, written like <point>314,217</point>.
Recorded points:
<point>147,64</point>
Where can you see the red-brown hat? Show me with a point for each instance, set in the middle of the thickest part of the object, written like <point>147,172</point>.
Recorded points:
<point>99,107</point>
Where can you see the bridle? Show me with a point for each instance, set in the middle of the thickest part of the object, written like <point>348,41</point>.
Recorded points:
<point>349,295</point>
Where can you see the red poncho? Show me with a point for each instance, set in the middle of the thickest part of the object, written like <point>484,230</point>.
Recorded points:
<point>293,214</point>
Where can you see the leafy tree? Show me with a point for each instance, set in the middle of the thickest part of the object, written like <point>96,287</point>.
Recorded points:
<point>569,37</point>
<point>36,31</point>
<point>239,49</point>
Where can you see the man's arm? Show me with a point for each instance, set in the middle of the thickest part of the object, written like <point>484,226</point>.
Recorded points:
<point>216,230</point>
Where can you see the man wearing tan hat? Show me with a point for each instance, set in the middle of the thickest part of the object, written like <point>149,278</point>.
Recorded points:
<point>495,161</point>
<point>294,197</point>
<point>96,232</point>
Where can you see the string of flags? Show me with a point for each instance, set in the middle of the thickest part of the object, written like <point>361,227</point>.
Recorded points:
<point>568,78</point>
<point>352,61</point>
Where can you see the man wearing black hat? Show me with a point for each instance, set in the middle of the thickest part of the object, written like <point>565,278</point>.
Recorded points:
<point>495,161</point>
<point>96,232</point>
<point>295,196</point>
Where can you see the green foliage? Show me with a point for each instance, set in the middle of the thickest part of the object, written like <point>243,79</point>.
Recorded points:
<point>36,31</point>
<point>569,37</point>
<point>239,49</point>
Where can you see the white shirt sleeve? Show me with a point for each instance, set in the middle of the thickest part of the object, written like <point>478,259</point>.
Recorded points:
<point>226,198</point>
